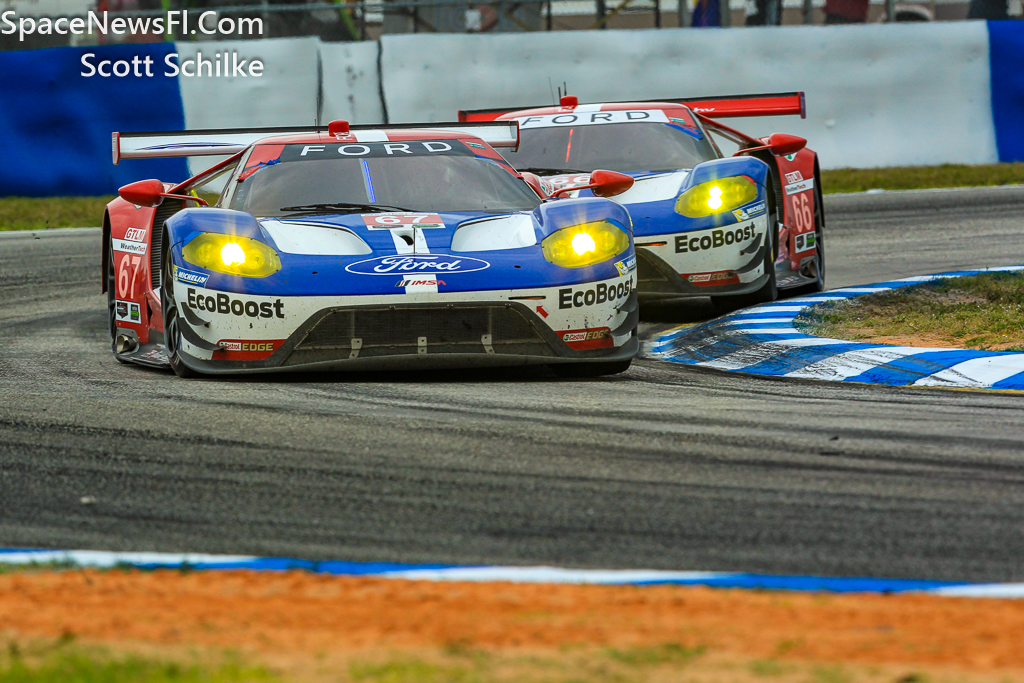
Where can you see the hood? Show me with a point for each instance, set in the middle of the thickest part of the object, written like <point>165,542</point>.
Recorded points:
<point>396,232</point>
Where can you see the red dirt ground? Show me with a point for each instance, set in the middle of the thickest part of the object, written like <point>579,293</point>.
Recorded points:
<point>295,612</point>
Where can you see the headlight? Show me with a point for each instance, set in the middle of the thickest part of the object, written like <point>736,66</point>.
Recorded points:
<point>232,255</point>
<point>584,244</point>
<point>716,196</point>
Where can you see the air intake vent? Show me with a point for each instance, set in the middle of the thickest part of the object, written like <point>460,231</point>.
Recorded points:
<point>397,330</point>
<point>168,208</point>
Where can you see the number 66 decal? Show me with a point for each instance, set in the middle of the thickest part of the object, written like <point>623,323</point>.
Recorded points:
<point>803,211</point>
<point>126,281</point>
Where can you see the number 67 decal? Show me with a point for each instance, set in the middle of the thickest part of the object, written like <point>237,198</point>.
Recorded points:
<point>126,283</point>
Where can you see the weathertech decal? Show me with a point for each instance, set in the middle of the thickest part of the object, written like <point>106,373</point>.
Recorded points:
<point>714,240</point>
<point>581,340</point>
<point>801,186</point>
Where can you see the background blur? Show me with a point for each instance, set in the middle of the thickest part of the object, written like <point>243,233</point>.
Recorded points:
<point>930,87</point>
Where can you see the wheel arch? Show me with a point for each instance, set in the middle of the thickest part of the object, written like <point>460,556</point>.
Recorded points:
<point>105,251</point>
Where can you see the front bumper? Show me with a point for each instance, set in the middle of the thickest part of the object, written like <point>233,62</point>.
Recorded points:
<point>475,329</point>
<point>721,261</point>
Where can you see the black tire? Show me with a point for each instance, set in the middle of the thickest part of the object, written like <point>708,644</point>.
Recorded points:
<point>584,370</point>
<point>172,333</point>
<point>112,301</point>
<point>769,291</point>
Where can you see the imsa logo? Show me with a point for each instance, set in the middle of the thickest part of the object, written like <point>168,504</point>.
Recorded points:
<point>419,283</point>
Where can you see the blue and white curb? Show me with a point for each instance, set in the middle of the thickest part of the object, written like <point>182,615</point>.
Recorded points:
<point>444,572</point>
<point>764,341</point>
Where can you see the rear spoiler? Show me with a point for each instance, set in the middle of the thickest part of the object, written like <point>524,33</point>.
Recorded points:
<point>774,104</point>
<point>229,141</point>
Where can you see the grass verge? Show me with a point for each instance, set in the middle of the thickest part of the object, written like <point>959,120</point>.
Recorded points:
<point>63,661</point>
<point>984,312</point>
<point>42,213</point>
<point>920,177</point>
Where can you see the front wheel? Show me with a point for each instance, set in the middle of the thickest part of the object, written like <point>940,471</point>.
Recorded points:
<point>585,370</point>
<point>172,329</point>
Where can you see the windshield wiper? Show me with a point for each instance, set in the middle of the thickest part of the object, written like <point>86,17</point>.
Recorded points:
<point>551,171</point>
<point>341,207</point>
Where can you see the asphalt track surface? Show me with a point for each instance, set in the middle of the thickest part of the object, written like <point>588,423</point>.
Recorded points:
<point>661,467</point>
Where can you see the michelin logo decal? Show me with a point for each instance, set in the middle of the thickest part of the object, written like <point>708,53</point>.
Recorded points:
<point>749,212</point>
<point>190,277</point>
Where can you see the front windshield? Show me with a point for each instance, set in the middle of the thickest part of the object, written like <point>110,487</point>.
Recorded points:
<point>625,147</point>
<point>431,175</point>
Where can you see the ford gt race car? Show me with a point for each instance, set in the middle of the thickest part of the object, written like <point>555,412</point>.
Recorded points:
<point>363,249</point>
<point>737,229</point>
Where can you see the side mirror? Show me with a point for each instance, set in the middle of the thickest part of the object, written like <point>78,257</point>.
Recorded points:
<point>143,193</point>
<point>604,184</point>
<point>781,144</point>
<point>151,193</point>
<point>610,183</point>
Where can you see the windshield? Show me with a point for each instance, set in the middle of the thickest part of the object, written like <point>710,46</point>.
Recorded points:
<point>625,147</point>
<point>433,175</point>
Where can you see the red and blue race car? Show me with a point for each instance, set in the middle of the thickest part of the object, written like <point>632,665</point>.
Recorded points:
<point>740,229</point>
<point>364,248</point>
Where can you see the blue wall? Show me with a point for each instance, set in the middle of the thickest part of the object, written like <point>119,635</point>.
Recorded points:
<point>1006,57</point>
<point>55,125</point>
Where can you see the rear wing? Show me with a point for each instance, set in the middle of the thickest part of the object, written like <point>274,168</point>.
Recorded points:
<point>774,104</point>
<point>229,141</point>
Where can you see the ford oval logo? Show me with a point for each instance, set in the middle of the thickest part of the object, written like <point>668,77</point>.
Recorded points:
<point>417,263</point>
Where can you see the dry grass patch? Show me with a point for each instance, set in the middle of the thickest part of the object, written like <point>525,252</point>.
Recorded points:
<point>42,213</point>
<point>984,312</point>
<point>921,177</point>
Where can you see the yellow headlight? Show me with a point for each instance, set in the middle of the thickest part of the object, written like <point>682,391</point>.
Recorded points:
<point>584,244</point>
<point>716,196</point>
<point>233,255</point>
